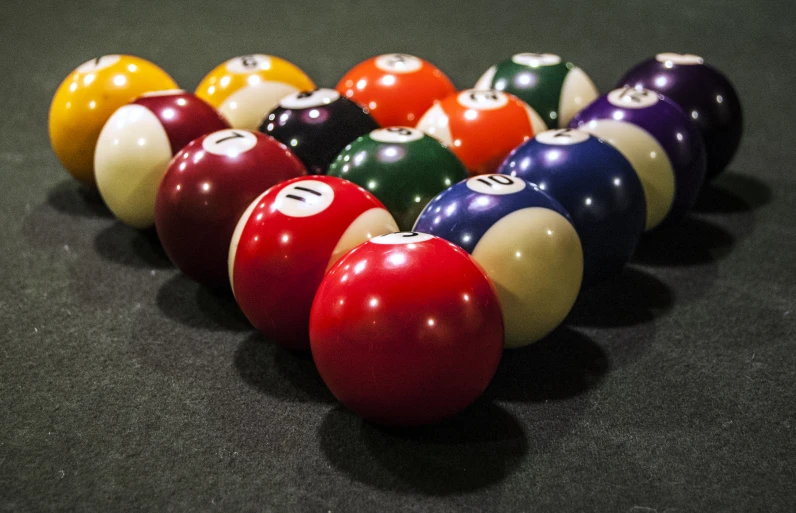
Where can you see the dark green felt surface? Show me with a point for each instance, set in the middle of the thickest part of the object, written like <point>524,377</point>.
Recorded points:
<point>125,387</point>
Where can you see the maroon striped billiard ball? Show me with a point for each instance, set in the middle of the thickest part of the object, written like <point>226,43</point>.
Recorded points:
<point>137,143</point>
<point>206,189</point>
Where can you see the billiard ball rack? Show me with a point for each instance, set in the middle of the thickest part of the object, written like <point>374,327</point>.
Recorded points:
<point>512,197</point>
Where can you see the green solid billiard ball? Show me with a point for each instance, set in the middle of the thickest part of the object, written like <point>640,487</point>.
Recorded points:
<point>556,89</point>
<point>402,167</point>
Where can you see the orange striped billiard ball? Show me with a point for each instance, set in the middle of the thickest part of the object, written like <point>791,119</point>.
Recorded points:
<point>481,126</point>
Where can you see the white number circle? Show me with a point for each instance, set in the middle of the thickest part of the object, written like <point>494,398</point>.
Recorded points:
<point>534,60</point>
<point>686,59</point>
<point>309,99</point>
<point>483,99</point>
<point>398,63</point>
<point>249,63</point>
<point>496,185</point>
<point>304,198</point>
<point>98,63</point>
<point>633,98</point>
<point>563,137</point>
<point>230,143</point>
<point>396,134</point>
<point>401,238</point>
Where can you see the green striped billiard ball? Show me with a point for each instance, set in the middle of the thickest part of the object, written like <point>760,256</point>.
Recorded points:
<point>402,167</point>
<point>556,89</point>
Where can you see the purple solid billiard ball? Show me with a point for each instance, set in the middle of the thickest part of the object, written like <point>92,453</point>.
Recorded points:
<point>706,96</point>
<point>666,122</point>
<point>317,125</point>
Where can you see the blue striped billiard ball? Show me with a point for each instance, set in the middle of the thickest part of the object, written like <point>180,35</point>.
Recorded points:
<point>524,240</point>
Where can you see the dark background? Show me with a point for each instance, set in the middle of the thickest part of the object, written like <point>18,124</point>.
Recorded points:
<point>123,386</point>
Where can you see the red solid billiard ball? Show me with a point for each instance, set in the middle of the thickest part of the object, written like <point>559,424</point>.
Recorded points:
<point>396,88</point>
<point>206,189</point>
<point>285,242</point>
<point>481,126</point>
<point>136,145</point>
<point>406,329</point>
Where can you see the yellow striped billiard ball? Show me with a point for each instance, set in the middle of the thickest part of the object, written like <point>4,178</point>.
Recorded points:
<point>244,89</point>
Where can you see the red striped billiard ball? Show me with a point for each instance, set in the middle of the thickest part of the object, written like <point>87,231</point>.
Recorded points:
<point>285,242</point>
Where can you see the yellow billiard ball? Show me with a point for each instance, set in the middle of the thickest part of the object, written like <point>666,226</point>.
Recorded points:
<point>86,99</point>
<point>245,89</point>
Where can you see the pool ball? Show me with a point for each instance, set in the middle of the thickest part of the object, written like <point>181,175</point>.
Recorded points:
<point>396,88</point>
<point>705,95</point>
<point>403,167</point>
<point>648,159</point>
<point>207,187</point>
<point>524,240</point>
<point>246,88</point>
<point>406,329</point>
<point>136,145</point>
<point>596,185</point>
<point>555,88</point>
<point>86,99</point>
<point>666,122</point>
<point>287,239</point>
<point>317,125</point>
<point>481,126</point>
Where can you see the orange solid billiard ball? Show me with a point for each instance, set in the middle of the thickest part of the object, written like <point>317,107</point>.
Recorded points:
<point>86,99</point>
<point>396,88</point>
